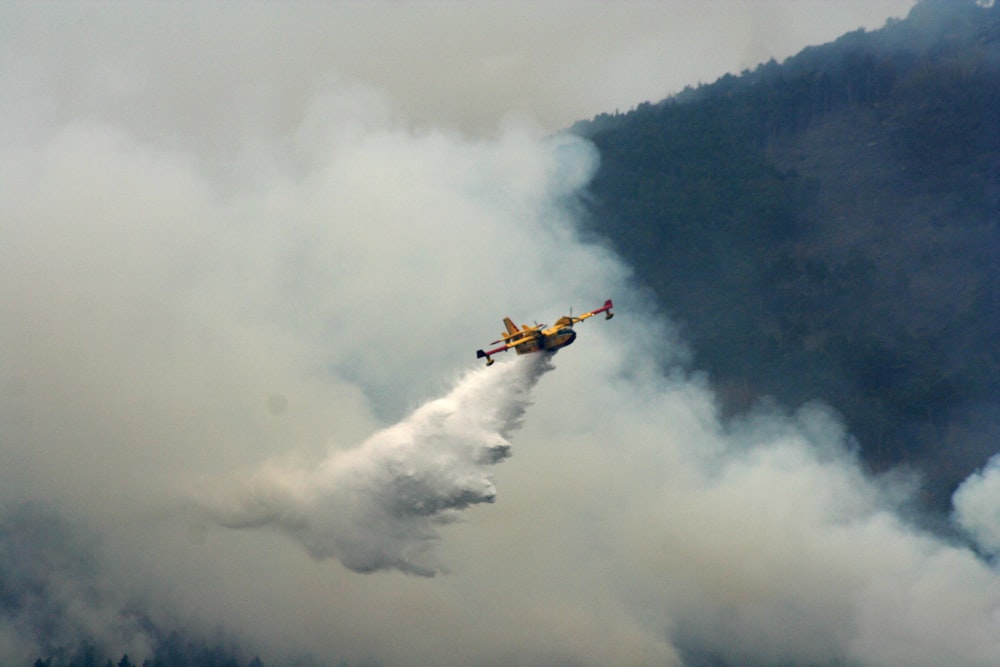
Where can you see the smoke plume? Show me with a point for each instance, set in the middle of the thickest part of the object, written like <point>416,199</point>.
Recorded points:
<point>977,506</point>
<point>377,507</point>
<point>53,592</point>
<point>220,260</point>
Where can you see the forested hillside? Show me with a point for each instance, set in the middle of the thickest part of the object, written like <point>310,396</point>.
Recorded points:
<point>829,228</point>
<point>171,651</point>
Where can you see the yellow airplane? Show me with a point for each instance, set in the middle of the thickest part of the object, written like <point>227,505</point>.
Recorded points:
<point>537,338</point>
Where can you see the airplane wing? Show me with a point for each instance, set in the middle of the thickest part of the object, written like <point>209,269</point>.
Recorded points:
<point>606,309</point>
<point>569,320</point>
<point>487,353</point>
<point>507,345</point>
<point>519,335</point>
<point>510,338</point>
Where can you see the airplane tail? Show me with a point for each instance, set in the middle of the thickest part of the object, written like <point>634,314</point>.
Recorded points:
<point>513,333</point>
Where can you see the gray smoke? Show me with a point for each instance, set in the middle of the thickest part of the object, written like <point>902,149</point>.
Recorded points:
<point>215,255</point>
<point>377,507</point>
<point>54,591</point>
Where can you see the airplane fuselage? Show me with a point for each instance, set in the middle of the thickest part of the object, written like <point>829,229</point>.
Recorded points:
<point>548,342</point>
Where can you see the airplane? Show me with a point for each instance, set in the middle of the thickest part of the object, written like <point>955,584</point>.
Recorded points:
<point>537,338</point>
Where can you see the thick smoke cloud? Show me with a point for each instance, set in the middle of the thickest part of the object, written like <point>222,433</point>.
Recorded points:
<point>376,507</point>
<point>977,506</point>
<point>53,592</point>
<point>241,281</point>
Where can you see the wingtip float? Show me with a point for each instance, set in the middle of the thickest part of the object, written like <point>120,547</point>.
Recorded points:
<point>539,338</point>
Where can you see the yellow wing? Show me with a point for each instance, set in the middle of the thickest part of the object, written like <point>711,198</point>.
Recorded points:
<point>569,320</point>
<point>518,335</point>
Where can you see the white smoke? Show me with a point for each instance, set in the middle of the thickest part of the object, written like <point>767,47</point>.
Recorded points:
<point>378,506</point>
<point>977,506</point>
<point>218,258</point>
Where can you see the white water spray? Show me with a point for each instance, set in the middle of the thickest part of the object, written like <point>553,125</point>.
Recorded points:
<point>377,506</point>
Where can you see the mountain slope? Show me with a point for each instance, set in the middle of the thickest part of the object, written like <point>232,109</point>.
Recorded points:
<point>829,228</point>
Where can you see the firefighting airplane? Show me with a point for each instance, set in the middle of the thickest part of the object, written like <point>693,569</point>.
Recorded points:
<point>537,338</point>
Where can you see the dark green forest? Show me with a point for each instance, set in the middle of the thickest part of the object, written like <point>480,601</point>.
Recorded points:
<point>827,229</point>
<point>172,651</point>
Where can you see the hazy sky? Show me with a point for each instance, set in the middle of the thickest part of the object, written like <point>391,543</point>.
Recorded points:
<point>242,244</point>
<point>460,64</point>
